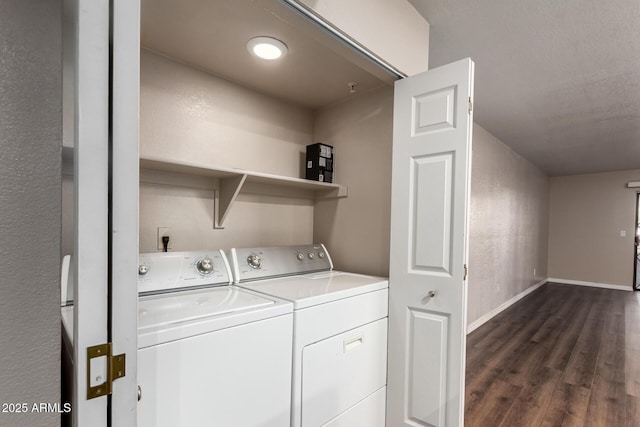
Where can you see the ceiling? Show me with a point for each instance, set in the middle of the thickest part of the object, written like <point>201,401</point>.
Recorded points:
<point>558,81</point>
<point>212,35</point>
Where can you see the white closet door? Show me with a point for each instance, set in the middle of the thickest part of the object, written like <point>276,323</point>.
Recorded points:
<point>104,38</point>
<point>427,294</point>
<point>90,34</point>
<point>125,101</point>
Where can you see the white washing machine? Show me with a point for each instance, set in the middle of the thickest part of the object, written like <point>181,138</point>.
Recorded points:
<point>340,333</point>
<point>209,353</point>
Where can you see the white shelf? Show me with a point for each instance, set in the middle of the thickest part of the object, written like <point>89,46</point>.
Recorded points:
<point>232,181</point>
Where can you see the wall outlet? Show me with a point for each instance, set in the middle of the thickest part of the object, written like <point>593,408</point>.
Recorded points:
<point>165,231</point>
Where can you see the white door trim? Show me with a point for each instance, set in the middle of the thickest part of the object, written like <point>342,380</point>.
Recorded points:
<point>125,89</point>
<point>91,158</point>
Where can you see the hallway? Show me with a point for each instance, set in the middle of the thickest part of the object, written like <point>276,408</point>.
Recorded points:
<point>562,356</point>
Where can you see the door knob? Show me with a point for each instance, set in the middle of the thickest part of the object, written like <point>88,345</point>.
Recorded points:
<point>430,295</point>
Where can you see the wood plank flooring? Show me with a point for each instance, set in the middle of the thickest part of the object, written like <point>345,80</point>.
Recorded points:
<point>563,356</point>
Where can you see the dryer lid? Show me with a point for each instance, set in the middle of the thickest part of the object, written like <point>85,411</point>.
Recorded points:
<point>318,288</point>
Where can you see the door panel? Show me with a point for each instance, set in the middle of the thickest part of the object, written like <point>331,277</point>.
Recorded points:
<point>434,111</point>
<point>431,214</point>
<point>427,295</point>
<point>427,385</point>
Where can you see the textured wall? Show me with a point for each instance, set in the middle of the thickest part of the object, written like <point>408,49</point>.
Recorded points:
<point>188,114</point>
<point>356,229</point>
<point>508,225</point>
<point>30,138</point>
<point>587,214</point>
<point>191,115</point>
<point>255,220</point>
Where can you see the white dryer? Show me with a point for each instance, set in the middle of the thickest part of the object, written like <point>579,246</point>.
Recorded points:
<point>209,353</point>
<point>340,333</point>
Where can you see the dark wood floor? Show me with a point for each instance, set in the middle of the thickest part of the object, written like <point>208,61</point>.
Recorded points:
<point>562,356</point>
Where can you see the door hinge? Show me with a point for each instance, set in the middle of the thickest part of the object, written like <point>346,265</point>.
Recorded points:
<point>470,105</point>
<point>466,271</point>
<point>115,366</point>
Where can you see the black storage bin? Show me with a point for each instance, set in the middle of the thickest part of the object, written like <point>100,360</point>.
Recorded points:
<point>319,162</point>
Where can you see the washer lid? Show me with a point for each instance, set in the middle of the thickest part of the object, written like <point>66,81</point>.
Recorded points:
<point>174,316</point>
<point>318,288</point>
<point>178,307</point>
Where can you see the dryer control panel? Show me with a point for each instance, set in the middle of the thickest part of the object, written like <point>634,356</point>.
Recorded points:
<point>262,263</point>
<point>170,271</point>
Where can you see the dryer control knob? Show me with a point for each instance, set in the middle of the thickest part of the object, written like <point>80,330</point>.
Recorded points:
<point>254,261</point>
<point>205,266</point>
<point>142,270</point>
<point>300,256</point>
<point>312,255</point>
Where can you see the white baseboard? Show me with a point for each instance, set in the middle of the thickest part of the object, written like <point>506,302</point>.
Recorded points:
<point>484,319</point>
<point>591,284</point>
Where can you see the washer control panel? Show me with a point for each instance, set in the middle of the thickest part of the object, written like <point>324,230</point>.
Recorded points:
<point>168,271</point>
<point>262,263</point>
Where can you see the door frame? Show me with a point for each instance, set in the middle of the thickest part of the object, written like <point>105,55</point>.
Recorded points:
<point>636,247</point>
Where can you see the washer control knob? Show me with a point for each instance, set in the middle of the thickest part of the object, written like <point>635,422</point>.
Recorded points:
<point>321,254</point>
<point>205,266</point>
<point>254,261</point>
<point>312,255</point>
<point>300,256</point>
<point>142,270</point>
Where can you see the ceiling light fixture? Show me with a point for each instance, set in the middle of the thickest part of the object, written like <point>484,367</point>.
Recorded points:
<point>267,47</point>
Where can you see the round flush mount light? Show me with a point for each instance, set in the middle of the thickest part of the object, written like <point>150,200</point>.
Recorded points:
<point>267,47</point>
